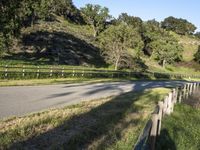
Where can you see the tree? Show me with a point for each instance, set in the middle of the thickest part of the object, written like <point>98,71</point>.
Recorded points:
<point>197,55</point>
<point>96,16</point>
<point>135,22</point>
<point>166,50</point>
<point>160,44</point>
<point>197,35</point>
<point>115,43</point>
<point>10,21</point>
<point>180,26</point>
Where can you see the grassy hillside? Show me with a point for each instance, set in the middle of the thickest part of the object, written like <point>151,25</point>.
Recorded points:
<point>190,45</point>
<point>57,42</point>
<point>64,43</point>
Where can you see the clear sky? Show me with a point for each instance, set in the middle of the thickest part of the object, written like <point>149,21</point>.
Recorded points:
<point>151,9</point>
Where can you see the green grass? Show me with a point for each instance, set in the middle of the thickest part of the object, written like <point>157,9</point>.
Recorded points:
<point>109,123</point>
<point>55,81</point>
<point>181,130</point>
<point>190,45</point>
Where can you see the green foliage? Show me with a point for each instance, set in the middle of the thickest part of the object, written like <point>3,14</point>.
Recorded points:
<point>135,22</point>
<point>166,50</point>
<point>197,35</point>
<point>96,16</point>
<point>197,55</point>
<point>160,44</point>
<point>116,41</point>
<point>180,26</point>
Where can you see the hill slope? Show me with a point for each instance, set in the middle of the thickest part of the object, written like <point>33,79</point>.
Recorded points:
<point>58,42</point>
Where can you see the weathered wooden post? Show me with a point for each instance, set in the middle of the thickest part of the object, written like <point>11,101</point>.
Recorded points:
<point>180,94</point>
<point>38,72</point>
<point>165,105</point>
<point>62,72</point>
<point>160,115</point>
<point>83,73</point>
<point>191,88</point>
<point>170,104</point>
<point>185,91</point>
<point>6,71</point>
<point>153,133</point>
<point>23,71</point>
<point>51,72</point>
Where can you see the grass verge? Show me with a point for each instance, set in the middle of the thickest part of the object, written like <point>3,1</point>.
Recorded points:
<point>181,130</point>
<point>109,123</point>
<point>33,82</point>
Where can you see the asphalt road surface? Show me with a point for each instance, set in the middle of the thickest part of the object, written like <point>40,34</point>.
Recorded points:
<point>21,100</point>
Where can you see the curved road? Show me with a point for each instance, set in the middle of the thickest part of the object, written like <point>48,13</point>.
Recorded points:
<point>20,100</point>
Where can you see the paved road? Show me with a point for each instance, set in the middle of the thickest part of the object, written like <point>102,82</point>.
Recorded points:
<point>20,100</point>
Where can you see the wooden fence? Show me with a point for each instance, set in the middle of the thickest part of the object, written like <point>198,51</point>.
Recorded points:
<point>25,72</point>
<point>151,132</point>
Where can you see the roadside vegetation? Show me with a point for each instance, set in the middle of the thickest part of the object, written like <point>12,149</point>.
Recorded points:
<point>109,123</point>
<point>181,130</point>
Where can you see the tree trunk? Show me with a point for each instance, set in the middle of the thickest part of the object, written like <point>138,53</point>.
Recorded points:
<point>95,31</point>
<point>117,63</point>
<point>163,63</point>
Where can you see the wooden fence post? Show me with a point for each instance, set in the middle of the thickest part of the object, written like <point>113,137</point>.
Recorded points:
<point>165,105</point>
<point>6,71</point>
<point>62,72</point>
<point>51,72</point>
<point>153,133</point>
<point>23,71</point>
<point>38,72</point>
<point>187,91</point>
<point>83,72</point>
<point>160,115</point>
<point>170,104</point>
<point>180,94</point>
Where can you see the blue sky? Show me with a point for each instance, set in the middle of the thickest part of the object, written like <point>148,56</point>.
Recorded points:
<point>150,9</point>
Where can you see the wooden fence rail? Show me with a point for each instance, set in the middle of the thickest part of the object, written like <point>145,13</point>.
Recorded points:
<point>25,72</point>
<point>147,139</point>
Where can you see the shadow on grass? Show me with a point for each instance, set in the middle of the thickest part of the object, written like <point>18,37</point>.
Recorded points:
<point>98,128</point>
<point>99,124</point>
<point>165,142</point>
<point>43,47</point>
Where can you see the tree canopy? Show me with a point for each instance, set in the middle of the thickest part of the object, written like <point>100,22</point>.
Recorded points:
<point>96,16</point>
<point>160,44</point>
<point>115,42</point>
<point>132,21</point>
<point>180,26</point>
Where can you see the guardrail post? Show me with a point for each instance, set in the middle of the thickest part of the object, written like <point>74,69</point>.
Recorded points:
<point>165,105</point>
<point>23,71</point>
<point>191,88</point>
<point>187,91</point>
<point>51,72</point>
<point>38,72</point>
<point>180,94</point>
<point>153,133</point>
<point>169,104</point>
<point>83,72</point>
<point>160,115</point>
<point>62,72</point>
<point>6,71</point>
